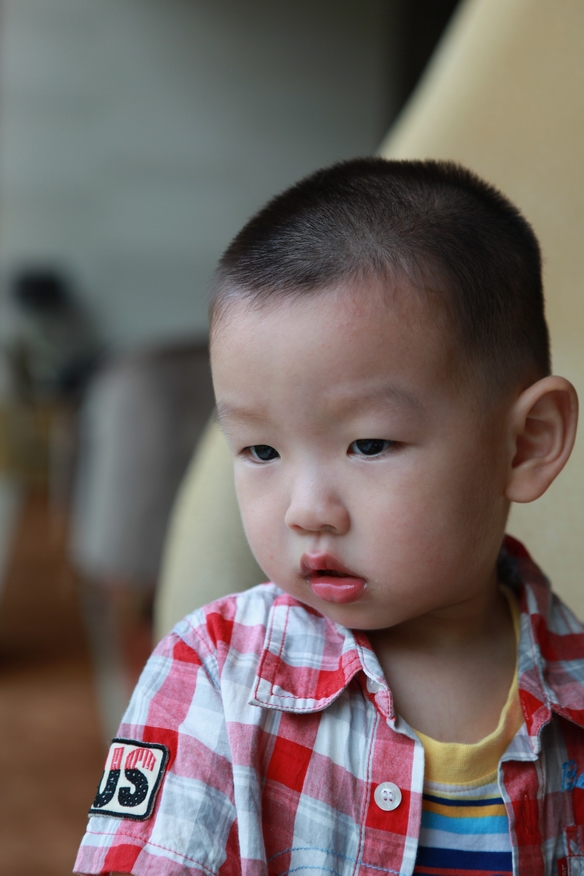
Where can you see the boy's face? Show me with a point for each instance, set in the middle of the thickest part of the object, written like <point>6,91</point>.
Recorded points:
<point>369,486</point>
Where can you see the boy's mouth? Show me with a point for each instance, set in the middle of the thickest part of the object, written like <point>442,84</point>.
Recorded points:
<point>330,580</point>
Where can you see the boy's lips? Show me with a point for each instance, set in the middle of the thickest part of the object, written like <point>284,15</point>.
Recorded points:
<point>330,580</point>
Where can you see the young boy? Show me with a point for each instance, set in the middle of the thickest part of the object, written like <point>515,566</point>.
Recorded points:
<point>407,696</point>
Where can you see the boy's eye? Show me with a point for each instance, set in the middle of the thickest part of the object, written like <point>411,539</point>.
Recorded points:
<point>370,446</point>
<point>263,452</point>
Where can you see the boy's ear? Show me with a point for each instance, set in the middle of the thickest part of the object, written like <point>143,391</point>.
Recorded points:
<point>543,424</point>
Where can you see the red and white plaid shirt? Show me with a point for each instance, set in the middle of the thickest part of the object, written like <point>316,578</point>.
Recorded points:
<point>280,727</point>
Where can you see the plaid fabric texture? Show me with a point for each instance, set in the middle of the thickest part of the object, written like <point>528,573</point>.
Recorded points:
<point>280,727</point>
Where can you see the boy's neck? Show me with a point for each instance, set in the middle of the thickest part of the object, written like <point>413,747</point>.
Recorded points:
<point>450,671</point>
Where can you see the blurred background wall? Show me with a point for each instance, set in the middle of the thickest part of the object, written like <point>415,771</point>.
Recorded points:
<point>138,135</point>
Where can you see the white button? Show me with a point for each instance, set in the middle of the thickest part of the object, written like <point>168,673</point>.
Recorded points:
<point>387,796</point>
<point>372,685</point>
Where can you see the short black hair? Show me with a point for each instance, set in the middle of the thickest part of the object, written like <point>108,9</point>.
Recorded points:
<point>431,220</point>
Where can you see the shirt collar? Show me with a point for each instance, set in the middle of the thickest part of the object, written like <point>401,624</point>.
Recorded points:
<point>308,660</point>
<point>551,644</point>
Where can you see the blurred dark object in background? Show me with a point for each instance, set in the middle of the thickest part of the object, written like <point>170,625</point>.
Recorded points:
<point>51,357</point>
<point>56,347</point>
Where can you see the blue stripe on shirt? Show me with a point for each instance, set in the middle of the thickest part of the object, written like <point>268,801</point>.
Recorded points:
<point>486,824</point>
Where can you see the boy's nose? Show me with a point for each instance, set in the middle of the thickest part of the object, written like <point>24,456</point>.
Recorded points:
<point>314,508</point>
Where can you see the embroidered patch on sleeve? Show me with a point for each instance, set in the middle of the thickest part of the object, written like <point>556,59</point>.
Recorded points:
<point>131,778</point>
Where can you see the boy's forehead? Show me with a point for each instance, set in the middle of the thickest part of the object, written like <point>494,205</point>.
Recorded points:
<point>366,336</point>
<point>416,306</point>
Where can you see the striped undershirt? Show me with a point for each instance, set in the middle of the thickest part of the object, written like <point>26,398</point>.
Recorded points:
<point>465,830</point>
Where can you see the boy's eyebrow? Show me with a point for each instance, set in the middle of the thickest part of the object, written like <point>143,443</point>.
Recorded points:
<point>224,411</point>
<point>378,395</point>
<point>392,393</point>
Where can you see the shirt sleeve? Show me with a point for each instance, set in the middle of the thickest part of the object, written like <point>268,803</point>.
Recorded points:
<point>176,711</point>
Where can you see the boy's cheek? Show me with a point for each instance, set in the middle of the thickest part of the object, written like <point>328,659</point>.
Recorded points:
<point>260,526</point>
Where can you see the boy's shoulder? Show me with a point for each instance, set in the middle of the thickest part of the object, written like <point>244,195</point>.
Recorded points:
<point>262,608</point>
<point>238,620</point>
<point>214,622</point>
<point>247,605</point>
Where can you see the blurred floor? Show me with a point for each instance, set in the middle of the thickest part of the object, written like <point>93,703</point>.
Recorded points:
<point>51,742</point>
